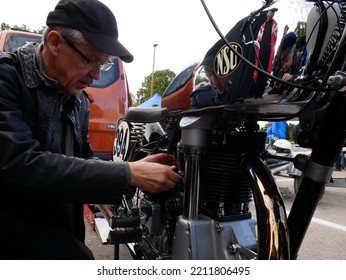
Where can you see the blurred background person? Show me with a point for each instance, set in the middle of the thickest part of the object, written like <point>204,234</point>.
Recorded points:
<point>288,65</point>
<point>266,38</point>
<point>277,130</point>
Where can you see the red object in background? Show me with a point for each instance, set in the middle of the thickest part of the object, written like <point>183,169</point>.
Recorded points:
<point>176,97</point>
<point>89,215</point>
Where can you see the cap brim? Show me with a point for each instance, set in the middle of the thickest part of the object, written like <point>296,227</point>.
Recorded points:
<point>109,45</point>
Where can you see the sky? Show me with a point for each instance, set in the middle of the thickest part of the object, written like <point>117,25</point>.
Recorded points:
<point>181,28</point>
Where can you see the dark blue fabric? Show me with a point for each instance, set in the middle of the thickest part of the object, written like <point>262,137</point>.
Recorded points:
<point>242,77</point>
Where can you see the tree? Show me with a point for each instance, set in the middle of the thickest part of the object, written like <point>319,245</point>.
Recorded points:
<point>201,79</point>
<point>300,29</point>
<point>23,27</point>
<point>4,26</point>
<point>162,78</point>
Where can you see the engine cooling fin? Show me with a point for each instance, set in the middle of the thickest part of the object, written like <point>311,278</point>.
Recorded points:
<point>225,189</point>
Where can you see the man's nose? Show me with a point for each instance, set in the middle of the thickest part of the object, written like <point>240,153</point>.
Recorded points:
<point>95,73</point>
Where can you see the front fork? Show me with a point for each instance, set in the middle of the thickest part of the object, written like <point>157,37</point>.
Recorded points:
<point>329,139</point>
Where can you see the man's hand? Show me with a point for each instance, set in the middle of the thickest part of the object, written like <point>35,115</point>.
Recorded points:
<point>153,174</point>
<point>161,158</point>
<point>287,77</point>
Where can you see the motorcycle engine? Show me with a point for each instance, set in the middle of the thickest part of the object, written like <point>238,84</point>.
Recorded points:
<point>225,191</point>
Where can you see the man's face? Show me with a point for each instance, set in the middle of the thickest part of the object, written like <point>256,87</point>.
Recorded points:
<point>75,66</point>
<point>270,15</point>
<point>287,61</point>
<point>218,83</point>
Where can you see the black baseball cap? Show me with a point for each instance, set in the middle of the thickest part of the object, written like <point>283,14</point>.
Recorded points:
<point>95,21</point>
<point>287,44</point>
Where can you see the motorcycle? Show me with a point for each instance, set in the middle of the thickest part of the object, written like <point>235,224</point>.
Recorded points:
<point>281,154</point>
<point>228,205</point>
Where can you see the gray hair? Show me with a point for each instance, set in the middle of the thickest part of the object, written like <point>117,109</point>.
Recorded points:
<point>71,34</point>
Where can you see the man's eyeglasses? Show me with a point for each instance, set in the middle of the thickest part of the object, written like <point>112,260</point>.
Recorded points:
<point>104,66</point>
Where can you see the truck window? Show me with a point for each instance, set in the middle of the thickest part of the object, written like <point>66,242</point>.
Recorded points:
<point>14,41</point>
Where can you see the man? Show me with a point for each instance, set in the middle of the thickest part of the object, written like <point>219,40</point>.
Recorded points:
<point>289,63</point>
<point>216,92</point>
<point>277,63</point>
<point>277,130</point>
<point>46,167</point>
<point>266,38</point>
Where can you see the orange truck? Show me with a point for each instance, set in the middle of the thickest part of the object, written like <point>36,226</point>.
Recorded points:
<point>109,96</point>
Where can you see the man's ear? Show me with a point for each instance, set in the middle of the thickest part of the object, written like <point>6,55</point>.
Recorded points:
<point>54,42</point>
